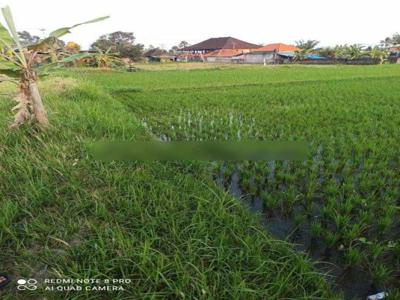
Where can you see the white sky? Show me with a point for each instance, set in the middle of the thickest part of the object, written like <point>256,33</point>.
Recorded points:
<point>166,22</point>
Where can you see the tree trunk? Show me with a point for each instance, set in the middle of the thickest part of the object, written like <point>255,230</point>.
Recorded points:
<point>37,104</point>
<point>23,107</point>
<point>30,105</point>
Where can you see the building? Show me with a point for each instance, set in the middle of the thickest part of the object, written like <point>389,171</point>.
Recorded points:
<point>217,49</point>
<point>190,57</point>
<point>394,51</point>
<point>270,54</point>
<point>158,55</point>
<point>224,55</point>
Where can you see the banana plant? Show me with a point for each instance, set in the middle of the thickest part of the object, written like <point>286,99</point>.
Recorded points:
<point>19,65</point>
<point>353,52</point>
<point>106,59</point>
<point>380,54</point>
<point>301,54</point>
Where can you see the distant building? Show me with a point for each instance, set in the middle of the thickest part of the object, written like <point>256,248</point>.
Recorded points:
<point>231,50</point>
<point>270,54</point>
<point>218,49</point>
<point>223,55</point>
<point>395,51</point>
<point>158,55</point>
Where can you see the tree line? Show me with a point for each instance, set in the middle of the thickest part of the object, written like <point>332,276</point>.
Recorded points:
<point>123,45</point>
<point>119,42</point>
<point>348,52</point>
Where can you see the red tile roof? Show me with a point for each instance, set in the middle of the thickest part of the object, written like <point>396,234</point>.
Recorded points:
<point>279,47</point>
<point>225,53</point>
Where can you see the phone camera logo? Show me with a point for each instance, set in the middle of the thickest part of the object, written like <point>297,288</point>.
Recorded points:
<point>27,284</point>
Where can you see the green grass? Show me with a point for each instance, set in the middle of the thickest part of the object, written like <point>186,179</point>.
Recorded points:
<point>348,189</point>
<point>166,226</point>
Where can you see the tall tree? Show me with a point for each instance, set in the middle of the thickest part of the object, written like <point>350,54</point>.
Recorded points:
<point>27,39</point>
<point>307,45</point>
<point>120,42</point>
<point>394,40</point>
<point>183,44</point>
<point>174,49</point>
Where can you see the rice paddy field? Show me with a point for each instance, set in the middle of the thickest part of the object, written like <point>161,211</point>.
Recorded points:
<point>324,228</point>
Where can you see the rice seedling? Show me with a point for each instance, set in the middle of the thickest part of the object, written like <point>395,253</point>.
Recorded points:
<point>353,257</point>
<point>316,229</point>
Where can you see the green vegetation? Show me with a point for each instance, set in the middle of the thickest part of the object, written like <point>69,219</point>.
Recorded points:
<point>168,226</point>
<point>19,65</point>
<point>344,200</point>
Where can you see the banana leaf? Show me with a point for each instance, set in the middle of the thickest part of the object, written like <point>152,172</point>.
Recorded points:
<point>11,25</point>
<point>5,37</point>
<point>14,34</point>
<point>13,73</point>
<point>75,57</point>
<point>65,30</point>
<point>43,44</point>
<point>52,38</point>
<point>44,70</point>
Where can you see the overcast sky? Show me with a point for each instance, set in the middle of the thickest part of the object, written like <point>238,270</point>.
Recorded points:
<point>166,22</point>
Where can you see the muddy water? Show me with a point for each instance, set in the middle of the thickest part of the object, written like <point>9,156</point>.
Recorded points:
<point>355,283</point>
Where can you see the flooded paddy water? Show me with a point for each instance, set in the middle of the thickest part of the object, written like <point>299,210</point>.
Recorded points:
<point>355,282</point>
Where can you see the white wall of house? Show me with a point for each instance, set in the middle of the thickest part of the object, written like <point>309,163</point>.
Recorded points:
<point>227,59</point>
<point>247,58</point>
<point>211,59</point>
<point>259,58</point>
<point>219,59</point>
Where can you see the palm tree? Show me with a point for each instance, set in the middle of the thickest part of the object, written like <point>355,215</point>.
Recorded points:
<point>18,65</point>
<point>391,41</point>
<point>307,45</point>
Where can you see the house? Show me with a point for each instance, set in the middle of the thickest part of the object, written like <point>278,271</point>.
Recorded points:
<point>158,55</point>
<point>185,57</point>
<point>224,55</point>
<point>270,54</point>
<point>394,51</point>
<point>218,49</point>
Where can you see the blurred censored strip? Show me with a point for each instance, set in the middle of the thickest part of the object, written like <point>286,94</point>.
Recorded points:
<point>206,151</point>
